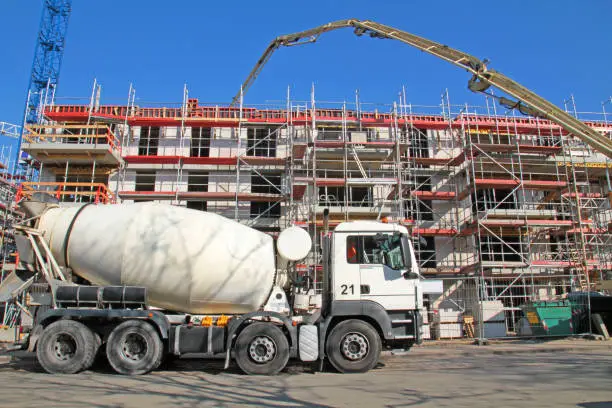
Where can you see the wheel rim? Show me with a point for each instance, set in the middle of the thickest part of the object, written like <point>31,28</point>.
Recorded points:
<point>64,347</point>
<point>262,349</point>
<point>354,346</point>
<point>134,347</point>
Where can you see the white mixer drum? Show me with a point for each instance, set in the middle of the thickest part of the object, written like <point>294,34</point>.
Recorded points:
<point>190,261</point>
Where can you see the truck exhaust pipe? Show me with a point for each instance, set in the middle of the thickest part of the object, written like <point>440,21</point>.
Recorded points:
<point>325,249</point>
<point>326,221</point>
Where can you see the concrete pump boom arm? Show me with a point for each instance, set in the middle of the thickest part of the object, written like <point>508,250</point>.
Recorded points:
<point>527,102</point>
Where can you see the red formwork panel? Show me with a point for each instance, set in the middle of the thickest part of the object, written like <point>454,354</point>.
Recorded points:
<point>434,195</point>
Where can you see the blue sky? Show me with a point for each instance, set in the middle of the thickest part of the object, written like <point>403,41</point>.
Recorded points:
<point>556,48</point>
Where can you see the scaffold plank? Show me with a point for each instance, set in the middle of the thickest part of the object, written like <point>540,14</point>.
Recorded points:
<point>433,232</point>
<point>220,161</point>
<point>152,159</point>
<point>320,181</point>
<point>527,184</point>
<point>514,148</point>
<point>434,195</point>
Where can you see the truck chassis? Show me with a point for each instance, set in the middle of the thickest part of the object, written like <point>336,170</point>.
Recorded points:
<point>67,340</point>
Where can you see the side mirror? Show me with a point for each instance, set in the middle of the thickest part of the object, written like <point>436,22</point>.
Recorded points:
<point>411,275</point>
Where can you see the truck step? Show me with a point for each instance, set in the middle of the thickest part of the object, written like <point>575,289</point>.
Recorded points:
<point>13,347</point>
<point>401,321</point>
<point>408,336</point>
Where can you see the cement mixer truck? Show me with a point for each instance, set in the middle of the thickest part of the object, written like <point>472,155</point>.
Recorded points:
<point>137,283</point>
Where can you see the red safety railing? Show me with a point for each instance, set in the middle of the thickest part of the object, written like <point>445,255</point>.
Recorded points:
<point>98,193</point>
<point>72,134</point>
<point>230,113</point>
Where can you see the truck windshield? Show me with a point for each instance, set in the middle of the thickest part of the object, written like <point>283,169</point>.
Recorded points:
<point>385,249</point>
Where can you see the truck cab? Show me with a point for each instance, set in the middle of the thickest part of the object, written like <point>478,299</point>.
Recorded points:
<point>374,298</point>
<point>375,262</point>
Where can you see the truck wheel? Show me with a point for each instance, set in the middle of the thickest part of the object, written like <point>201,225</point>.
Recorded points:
<point>262,349</point>
<point>134,347</point>
<point>66,347</point>
<point>353,346</point>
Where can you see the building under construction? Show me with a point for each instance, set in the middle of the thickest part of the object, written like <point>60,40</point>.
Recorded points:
<point>503,208</point>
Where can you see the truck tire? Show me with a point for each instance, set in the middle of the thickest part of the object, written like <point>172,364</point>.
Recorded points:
<point>97,344</point>
<point>353,346</point>
<point>134,348</point>
<point>66,347</point>
<point>262,349</point>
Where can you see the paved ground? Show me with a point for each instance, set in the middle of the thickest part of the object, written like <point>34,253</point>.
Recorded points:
<point>568,373</point>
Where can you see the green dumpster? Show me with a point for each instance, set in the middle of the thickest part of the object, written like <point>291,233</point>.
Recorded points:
<point>549,318</point>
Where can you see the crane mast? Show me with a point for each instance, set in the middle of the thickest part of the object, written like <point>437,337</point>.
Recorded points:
<point>527,102</point>
<point>48,54</point>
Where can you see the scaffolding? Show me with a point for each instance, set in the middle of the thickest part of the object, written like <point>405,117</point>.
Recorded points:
<point>506,210</point>
<point>74,160</point>
<point>238,169</point>
<point>9,135</point>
